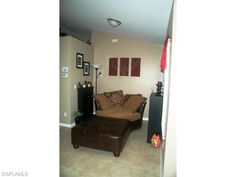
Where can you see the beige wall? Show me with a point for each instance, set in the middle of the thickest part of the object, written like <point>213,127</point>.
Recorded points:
<point>65,104</point>
<point>69,46</point>
<point>150,64</point>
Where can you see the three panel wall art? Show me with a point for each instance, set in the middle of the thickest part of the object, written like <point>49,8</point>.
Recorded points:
<point>124,67</point>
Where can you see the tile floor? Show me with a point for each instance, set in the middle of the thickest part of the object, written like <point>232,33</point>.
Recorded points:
<point>138,158</point>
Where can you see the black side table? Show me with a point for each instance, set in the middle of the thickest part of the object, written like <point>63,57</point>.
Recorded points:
<point>78,119</point>
<point>85,101</point>
<point>82,118</point>
<point>155,116</point>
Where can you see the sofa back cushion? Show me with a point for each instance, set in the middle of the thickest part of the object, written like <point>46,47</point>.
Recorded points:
<point>116,97</point>
<point>103,101</point>
<point>133,102</point>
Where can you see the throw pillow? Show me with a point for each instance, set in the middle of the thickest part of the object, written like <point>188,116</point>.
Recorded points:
<point>133,103</point>
<point>103,101</point>
<point>116,97</point>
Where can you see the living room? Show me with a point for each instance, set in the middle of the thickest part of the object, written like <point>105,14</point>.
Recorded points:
<point>98,48</point>
<point>101,51</point>
<point>202,91</point>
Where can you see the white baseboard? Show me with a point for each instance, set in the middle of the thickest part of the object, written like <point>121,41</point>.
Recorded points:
<point>67,125</point>
<point>145,118</point>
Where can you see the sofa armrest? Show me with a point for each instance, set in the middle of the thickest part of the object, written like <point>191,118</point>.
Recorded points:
<point>142,107</point>
<point>97,105</point>
<point>138,123</point>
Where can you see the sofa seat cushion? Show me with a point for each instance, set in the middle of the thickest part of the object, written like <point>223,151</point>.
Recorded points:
<point>119,113</point>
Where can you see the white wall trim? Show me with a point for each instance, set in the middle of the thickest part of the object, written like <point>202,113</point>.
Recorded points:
<point>145,118</point>
<point>67,125</point>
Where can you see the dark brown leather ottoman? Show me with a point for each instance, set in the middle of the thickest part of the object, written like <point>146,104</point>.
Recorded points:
<point>101,133</point>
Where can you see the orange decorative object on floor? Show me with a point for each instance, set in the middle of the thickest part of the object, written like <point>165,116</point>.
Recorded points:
<point>156,141</point>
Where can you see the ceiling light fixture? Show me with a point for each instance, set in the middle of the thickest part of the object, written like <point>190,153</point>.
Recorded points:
<point>113,22</point>
<point>114,40</point>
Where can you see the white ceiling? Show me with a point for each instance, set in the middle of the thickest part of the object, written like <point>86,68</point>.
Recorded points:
<point>141,19</point>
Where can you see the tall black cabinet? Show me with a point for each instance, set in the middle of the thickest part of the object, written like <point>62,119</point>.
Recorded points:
<point>85,101</point>
<point>155,115</point>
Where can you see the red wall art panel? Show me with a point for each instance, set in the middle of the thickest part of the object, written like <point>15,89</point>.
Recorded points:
<point>135,66</point>
<point>124,66</point>
<point>113,65</point>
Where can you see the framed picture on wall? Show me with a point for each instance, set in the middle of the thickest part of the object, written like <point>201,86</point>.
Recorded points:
<point>86,67</point>
<point>124,66</point>
<point>135,67</point>
<point>113,66</point>
<point>79,60</point>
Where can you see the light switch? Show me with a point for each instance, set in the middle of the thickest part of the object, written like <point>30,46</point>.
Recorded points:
<point>65,69</point>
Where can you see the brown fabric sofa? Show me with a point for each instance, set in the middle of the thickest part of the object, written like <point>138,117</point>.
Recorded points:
<point>119,106</point>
